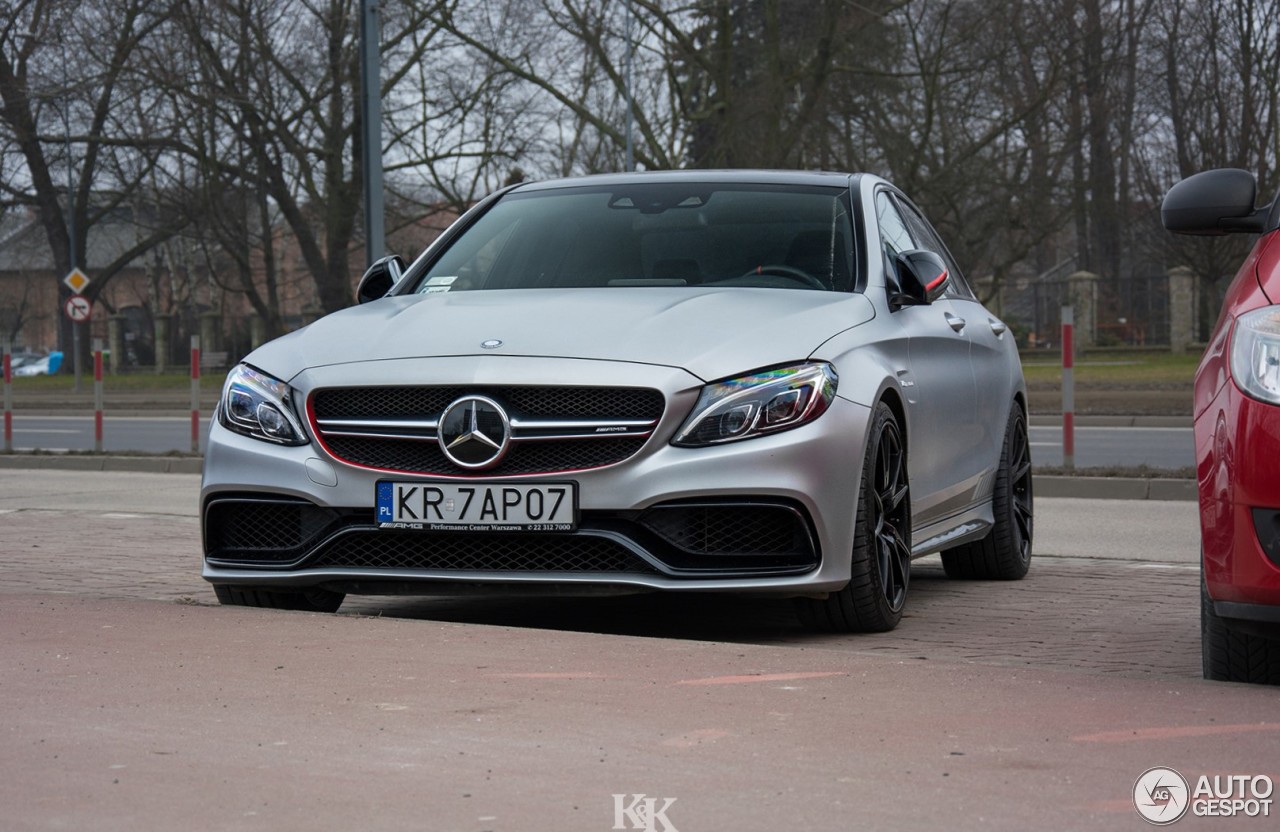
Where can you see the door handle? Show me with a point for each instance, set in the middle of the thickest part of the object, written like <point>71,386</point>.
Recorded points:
<point>998,327</point>
<point>954,322</point>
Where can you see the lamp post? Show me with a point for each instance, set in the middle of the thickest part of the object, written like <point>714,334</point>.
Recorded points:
<point>631,155</point>
<point>71,201</point>
<point>371,115</point>
<point>70,216</point>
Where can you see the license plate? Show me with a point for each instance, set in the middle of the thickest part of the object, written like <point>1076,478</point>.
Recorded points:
<point>477,507</point>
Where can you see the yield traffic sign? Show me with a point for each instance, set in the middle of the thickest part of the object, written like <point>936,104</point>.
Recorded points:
<point>76,280</point>
<point>78,308</point>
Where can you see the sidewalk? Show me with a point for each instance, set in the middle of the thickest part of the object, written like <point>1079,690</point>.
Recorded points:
<point>1112,488</point>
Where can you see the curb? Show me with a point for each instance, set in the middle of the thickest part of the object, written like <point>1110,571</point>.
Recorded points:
<point>1055,421</point>
<point>139,464</point>
<point>1116,488</point>
<point>1094,488</point>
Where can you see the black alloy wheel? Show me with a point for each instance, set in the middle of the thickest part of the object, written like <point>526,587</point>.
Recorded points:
<point>880,572</point>
<point>1005,553</point>
<point>892,518</point>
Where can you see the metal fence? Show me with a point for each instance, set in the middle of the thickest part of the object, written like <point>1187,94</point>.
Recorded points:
<point>1127,312</point>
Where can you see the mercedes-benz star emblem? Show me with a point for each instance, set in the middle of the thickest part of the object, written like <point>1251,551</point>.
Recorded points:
<point>475,432</point>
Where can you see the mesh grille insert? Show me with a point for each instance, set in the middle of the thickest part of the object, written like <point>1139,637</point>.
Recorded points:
<point>424,456</point>
<point>729,530</point>
<point>484,553</point>
<point>530,402</point>
<point>263,529</point>
<point>523,458</point>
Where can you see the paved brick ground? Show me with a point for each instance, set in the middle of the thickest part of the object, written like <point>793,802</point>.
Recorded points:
<point>1095,616</point>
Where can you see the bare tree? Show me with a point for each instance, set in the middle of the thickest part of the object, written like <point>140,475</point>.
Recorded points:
<point>65,85</point>
<point>1218,102</point>
<point>277,80</point>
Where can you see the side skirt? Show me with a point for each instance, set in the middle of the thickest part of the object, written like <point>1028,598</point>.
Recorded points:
<point>967,526</point>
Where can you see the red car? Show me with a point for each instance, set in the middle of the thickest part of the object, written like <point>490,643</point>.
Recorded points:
<point>1237,432</point>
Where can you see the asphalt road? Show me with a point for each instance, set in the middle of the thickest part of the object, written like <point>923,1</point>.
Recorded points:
<point>119,433</point>
<point>1095,446</point>
<point>1107,446</point>
<point>130,701</point>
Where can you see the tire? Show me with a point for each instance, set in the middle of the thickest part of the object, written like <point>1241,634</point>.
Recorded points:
<point>1005,553</point>
<point>1232,654</point>
<point>873,599</point>
<point>310,600</point>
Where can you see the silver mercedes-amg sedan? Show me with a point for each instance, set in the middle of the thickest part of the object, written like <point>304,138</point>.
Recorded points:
<point>754,382</point>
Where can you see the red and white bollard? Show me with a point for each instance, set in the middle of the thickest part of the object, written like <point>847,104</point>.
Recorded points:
<point>8,403</point>
<point>1068,388</point>
<point>195,394</point>
<point>97,395</point>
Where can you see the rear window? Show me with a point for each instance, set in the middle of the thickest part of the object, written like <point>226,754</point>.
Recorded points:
<point>686,234</point>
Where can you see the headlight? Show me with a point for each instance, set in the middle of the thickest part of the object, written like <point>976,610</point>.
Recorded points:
<point>1255,354</point>
<point>761,403</point>
<point>257,405</point>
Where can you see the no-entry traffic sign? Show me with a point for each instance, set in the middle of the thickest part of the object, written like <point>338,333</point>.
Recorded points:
<point>78,308</point>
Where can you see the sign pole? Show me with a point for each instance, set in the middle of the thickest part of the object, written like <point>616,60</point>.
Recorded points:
<point>1068,388</point>
<point>195,394</point>
<point>76,281</point>
<point>97,395</point>
<point>75,352</point>
<point>8,404</point>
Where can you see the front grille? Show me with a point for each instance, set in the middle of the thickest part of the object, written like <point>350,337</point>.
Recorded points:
<point>530,402</point>
<point>529,453</point>
<point>730,529</point>
<point>264,529</point>
<point>541,457</point>
<point>477,553</point>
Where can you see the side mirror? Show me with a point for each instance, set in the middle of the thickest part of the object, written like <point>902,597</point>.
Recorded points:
<point>378,280</point>
<point>1213,203</point>
<point>924,278</point>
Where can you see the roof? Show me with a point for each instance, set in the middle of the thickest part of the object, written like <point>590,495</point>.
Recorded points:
<point>755,177</point>
<point>25,248</point>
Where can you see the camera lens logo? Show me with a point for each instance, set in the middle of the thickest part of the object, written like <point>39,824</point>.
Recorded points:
<point>1161,796</point>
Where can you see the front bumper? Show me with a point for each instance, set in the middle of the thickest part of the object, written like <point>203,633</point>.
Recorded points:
<point>774,514</point>
<point>1237,441</point>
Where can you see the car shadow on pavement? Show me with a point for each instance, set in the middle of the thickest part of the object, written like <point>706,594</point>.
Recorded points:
<point>1094,616</point>
<point>693,616</point>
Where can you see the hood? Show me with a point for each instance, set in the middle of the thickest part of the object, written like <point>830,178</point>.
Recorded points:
<point>712,333</point>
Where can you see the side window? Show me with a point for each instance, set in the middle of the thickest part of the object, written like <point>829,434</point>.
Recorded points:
<point>894,236</point>
<point>929,240</point>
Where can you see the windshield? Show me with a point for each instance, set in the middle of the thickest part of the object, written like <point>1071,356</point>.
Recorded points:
<point>686,234</point>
